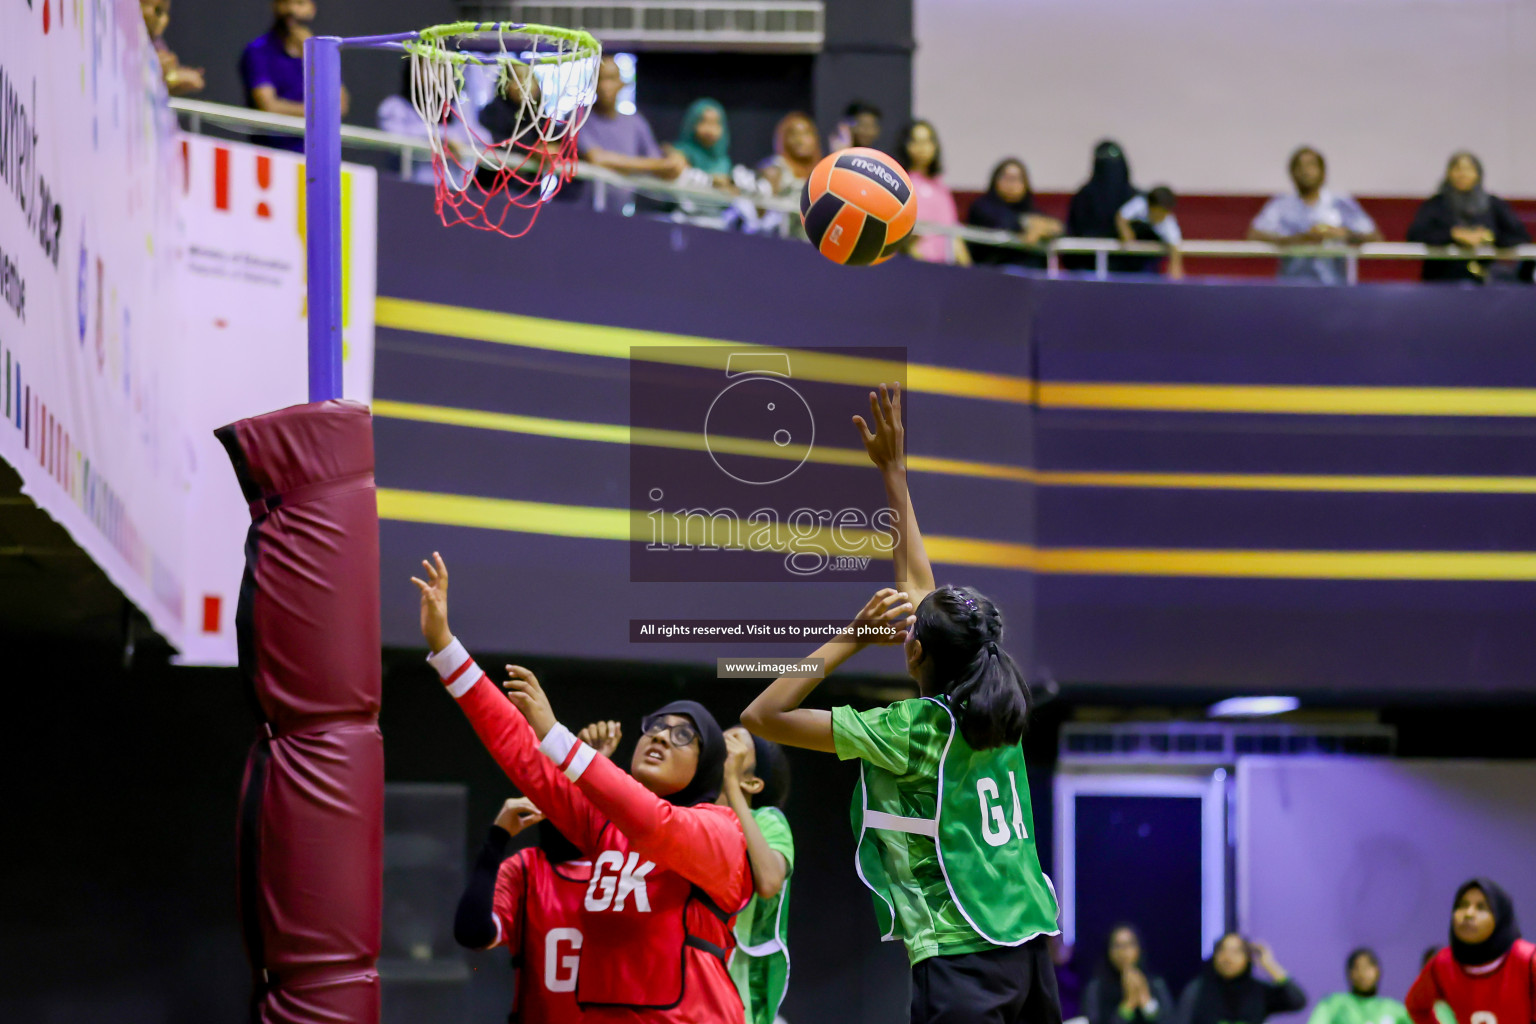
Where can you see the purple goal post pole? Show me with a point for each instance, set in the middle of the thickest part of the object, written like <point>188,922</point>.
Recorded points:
<point>322,210</point>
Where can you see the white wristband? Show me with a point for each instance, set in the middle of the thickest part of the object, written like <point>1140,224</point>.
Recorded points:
<point>456,668</point>
<point>557,745</point>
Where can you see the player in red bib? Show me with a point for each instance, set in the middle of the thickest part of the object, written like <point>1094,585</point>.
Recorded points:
<point>530,903</point>
<point>1486,975</point>
<point>669,866</point>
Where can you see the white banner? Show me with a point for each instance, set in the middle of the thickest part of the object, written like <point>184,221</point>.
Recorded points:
<point>90,416</point>
<point>244,340</point>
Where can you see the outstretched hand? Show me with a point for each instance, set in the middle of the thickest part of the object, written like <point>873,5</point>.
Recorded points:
<point>889,607</point>
<point>517,814</point>
<point>602,736</point>
<point>528,696</point>
<point>886,440</point>
<point>434,603</point>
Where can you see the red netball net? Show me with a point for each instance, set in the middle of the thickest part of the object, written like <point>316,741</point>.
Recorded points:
<point>493,169</point>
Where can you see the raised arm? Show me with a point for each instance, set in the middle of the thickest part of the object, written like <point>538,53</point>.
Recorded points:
<point>776,714</point>
<point>484,906</point>
<point>501,729</point>
<point>885,439</point>
<point>702,844</point>
<point>769,866</point>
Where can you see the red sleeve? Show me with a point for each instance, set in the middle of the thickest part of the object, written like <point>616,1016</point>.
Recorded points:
<point>510,740</point>
<point>704,844</point>
<point>1424,994</point>
<point>507,904</point>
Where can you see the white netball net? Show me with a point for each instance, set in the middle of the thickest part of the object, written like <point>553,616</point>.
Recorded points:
<point>496,165</point>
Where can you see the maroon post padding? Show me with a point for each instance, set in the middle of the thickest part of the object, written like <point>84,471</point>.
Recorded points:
<point>311,828</point>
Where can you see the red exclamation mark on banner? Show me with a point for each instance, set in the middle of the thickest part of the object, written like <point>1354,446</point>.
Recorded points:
<point>264,182</point>
<point>220,178</point>
<point>47,16</point>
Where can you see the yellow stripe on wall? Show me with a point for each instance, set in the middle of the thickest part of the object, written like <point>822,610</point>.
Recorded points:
<point>617,433</point>
<point>1307,400</point>
<point>614,524</point>
<point>684,350</point>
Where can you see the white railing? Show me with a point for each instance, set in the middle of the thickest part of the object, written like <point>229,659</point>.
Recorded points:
<point>196,114</point>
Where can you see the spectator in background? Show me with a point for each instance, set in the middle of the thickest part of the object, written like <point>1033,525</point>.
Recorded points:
<point>272,68</point>
<point>1226,992</point>
<point>705,142</point>
<point>860,125</point>
<point>1313,216</point>
<point>919,152</point>
<point>1361,1004</point>
<point>1091,213</point>
<point>1488,972</point>
<point>1009,205</point>
<point>1121,989</point>
<point>179,81</point>
<point>1463,213</point>
<point>1150,218</point>
<point>796,152</point>
<point>622,142</point>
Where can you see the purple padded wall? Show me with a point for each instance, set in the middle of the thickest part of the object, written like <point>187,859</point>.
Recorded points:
<point>311,826</point>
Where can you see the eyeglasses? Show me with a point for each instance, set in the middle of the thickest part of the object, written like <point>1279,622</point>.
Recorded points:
<point>679,734</point>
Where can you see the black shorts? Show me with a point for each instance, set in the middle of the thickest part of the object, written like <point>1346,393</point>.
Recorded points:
<point>1004,985</point>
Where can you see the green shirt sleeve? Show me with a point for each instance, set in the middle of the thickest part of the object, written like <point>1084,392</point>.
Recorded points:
<point>775,828</point>
<point>881,736</point>
<point>1323,1013</point>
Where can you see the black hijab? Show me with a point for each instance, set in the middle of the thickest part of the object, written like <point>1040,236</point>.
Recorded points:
<point>1093,209</point>
<point>1227,999</point>
<point>1505,928</point>
<point>557,848</point>
<point>704,787</point>
<point>1111,990</point>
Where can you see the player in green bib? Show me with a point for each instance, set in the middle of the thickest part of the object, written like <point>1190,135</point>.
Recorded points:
<point>1361,1004</point>
<point>755,786</point>
<point>942,813</point>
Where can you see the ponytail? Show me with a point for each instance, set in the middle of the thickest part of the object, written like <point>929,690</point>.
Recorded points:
<point>960,629</point>
<point>993,700</point>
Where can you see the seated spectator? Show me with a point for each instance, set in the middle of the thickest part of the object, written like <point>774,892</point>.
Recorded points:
<point>1150,218</point>
<point>919,153</point>
<point>272,68</point>
<point>796,152</point>
<point>1009,205</point>
<point>860,125</point>
<point>1226,992</point>
<point>1121,989</point>
<point>1488,972</point>
<point>705,142</point>
<point>622,142</point>
<point>1313,216</point>
<point>1092,211</point>
<point>179,81</point>
<point>1463,214</point>
<point>1361,1004</point>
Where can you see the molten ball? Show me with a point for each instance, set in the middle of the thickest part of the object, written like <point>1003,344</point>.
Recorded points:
<point>858,207</point>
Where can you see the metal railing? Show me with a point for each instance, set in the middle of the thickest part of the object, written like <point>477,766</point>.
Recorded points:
<point>196,114</point>
<point>793,26</point>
